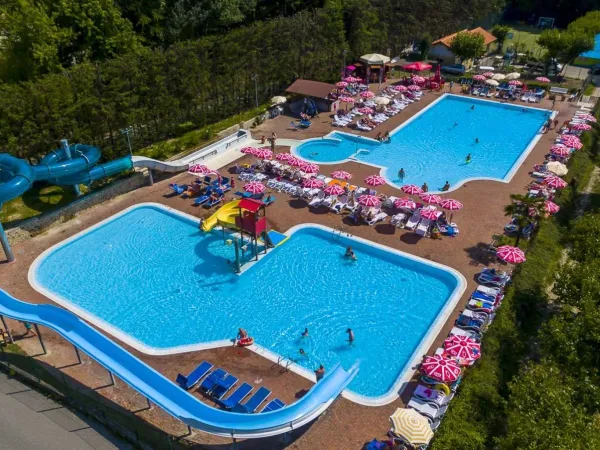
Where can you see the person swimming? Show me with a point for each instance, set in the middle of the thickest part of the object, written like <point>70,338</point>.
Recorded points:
<point>305,333</point>
<point>477,140</point>
<point>446,186</point>
<point>401,175</point>
<point>350,335</point>
<point>468,158</point>
<point>320,372</point>
<point>473,107</point>
<point>424,187</point>
<point>350,253</point>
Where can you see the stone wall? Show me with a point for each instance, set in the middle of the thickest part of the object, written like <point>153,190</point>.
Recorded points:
<point>30,227</point>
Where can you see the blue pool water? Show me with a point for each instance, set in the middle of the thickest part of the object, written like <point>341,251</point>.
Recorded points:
<point>432,149</point>
<point>153,276</point>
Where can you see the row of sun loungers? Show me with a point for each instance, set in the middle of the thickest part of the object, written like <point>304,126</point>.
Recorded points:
<point>218,383</point>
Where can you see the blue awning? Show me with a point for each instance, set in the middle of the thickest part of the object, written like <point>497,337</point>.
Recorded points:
<point>595,53</point>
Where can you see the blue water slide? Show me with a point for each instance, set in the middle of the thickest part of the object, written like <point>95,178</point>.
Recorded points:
<point>16,177</point>
<point>160,390</point>
<point>97,172</point>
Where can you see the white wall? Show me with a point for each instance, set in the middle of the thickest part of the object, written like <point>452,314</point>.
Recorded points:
<point>440,51</point>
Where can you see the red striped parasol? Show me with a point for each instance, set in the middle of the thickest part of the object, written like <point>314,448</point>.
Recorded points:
<point>555,182</point>
<point>334,189</point>
<point>341,175</point>
<point>405,202</point>
<point>369,200</point>
<point>441,369</point>
<point>254,187</point>
<point>513,255</point>
<point>375,180</point>
<point>430,198</point>
<point>411,189</point>
<point>463,347</point>
<point>450,204</point>
<point>313,183</point>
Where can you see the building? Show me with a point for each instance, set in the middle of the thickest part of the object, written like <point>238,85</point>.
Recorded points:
<point>440,49</point>
<point>312,94</point>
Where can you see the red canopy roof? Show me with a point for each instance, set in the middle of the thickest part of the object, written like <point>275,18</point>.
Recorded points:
<point>418,66</point>
<point>250,205</point>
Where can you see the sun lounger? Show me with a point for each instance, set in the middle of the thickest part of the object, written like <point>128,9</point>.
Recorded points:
<point>434,396</point>
<point>491,291</point>
<point>423,227</point>
<point>478,305</point>
<point>328,201</point>
<point>223,386</point>
<point>201,200</point>
<point>377,218</point>
<point>455,331</point>
<point>195,376</point>
<point>269,200</point>
<point>492,277</point>
<point>178,189</point>
<point>468,323</point>
<point>256,400</point>
<point>316,201</point>
<point>414,220</point>
<point>427,409</point>
<point>211,203</point>
<point>398,220</point>
<point>211,381</point>
<point>236,397</point>
<point>273,405</point>
<point>340,204</point>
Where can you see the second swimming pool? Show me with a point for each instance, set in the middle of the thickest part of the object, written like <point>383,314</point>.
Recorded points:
<point>150,277</point>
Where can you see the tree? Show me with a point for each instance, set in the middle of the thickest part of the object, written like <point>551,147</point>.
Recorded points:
<point>524,209</point>
<point>565,46</point>
<point>585,236</point>
<point>425,45</point>
<point>500,32</point>
<point>467,45</point>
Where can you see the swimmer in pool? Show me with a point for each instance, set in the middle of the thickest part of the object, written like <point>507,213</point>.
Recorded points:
<point>473,107</point>
<point>477,140</point>
<point>468,159</point>
<point>305,333</point>
<point>350,253</point>
<point>350,335</point>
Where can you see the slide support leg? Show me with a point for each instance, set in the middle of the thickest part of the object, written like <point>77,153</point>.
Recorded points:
<point>6,246</point>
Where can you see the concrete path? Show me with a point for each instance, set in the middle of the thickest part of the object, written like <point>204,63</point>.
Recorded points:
<point>30,420</point>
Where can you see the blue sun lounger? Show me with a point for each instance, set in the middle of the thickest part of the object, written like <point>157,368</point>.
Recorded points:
<point>193,378</point>
<point>236,397</point>
<point>178,189</point>
<point>223,386</point>
<point>273,405</point>
<point>485,298</point>
<point>256,400</point>
<point>201,200</point>
<point>211,381</point>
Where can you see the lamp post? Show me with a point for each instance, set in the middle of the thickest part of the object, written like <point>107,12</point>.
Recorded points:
<point>126,132</point>
<point>255,78</point>
<point>344,64</point>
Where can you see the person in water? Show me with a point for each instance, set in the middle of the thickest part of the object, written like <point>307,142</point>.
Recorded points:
<point>386,136</point>
<point>305,333</point>
<point>378,137</point>
<point>473,107</point>
<point>242,334</point>
<point>446,186</point>
<point>302,352</point>
<point>350,253</point>
<point>350,335</point>
<point>425,188</point>
<point>320,372</point>
<point>477,140</point>
<point>468,159</point>
<point>401,175</point>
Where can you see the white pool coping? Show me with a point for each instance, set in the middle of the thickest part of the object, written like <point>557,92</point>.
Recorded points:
<point>383,169</point>
<point>393,393</point>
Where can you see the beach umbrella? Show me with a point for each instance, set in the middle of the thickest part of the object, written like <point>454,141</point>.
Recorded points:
<point>374,59</point>
<point>450,204</point>
<point>463,347</point>
<point>365,110</point>
<point>375,180</point>
<point>557,168</point>
<point>341,84</point>
<point>510,254</point>
<point>411,427</point>
<point>278,99</point>
<point>295,162</point>
<point>367,94</point>
<point>284,157</point>
<point>309,168</point>
<point>382,101</point>
<point>543,79</point>
<point>411,189</point>
<point>247,150</point>
<point>400,88</point>
<point>417,66</point>
<point>515,83</point>
<point>254,187</point>
<point>405,202</point>
<point>418,79</point>
<point>491,83</point>
<point>513,76</point>
<point>351,79</point>
<point>334,189</point>
<point>430,213</point>
<point>488,74</point>
<point>263,153</point>
<point>555,182</point>
<point>346,100</point>
<point>441,369</point>
<point>341,175</point>
<point>414,87</point>
<point>587,118</point>
<point>581,126</point>
<point>479,77</point>
<point>200,170</point>
<point>560,151</point>
<point>498,77</point>
<point>313,183</point>
<point>551,207</point>
<point>430,198</point>
<point>369,200</point>
<point>571,141</point>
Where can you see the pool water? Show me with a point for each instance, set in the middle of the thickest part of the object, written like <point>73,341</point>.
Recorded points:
<point>432,147</point>
<point>155,279</point>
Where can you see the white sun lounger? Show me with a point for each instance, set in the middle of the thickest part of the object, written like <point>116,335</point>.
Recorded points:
<point>327,202</point>
<point>398,220</point>
<point>433,396</point>
<point>423,227</point>
<point>491,291</point>
<point>316,201</point>
<point>341,203</point>
<point>460,332</point>
<point>377,218</point>
<point>428,410</point>
<point>414,220</point>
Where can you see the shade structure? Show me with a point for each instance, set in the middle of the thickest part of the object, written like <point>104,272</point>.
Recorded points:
<point>309,168</point>
<point>365,110</point>
<point>383,101</point>
<point>254,187</point>
<point>405,202</point>
<point>555,182</point>
<point>295,162</point>
<point>278,99</point>
<point>513,76</point>
<point>510,254</point>
<point>374,58</point>
<point>284,157</point>
<point>411,189</point>
<point>313,183</point>
<point>488,74</point>
<point>498,77</point>
<point>581,126</point>
<point>346,100</point>
<point>247,150</point>
<point>430,213</point>
<point>543,79</point>
<point>375,180</point>
<point>341,175</point>
<point>414,87</point>
<point>341,84</point>
<point>200,170</point>
<point>263,153</point>
<point>560,151</point>
<point>369,200</point>
<point>400,88</point>
<point>587,118</point>
<point>479,77</point>
<point>430,198</point>
<point>571,141</point>
<point>418,79</point>
<point>441,369</point>
<point>351,79</point>
<point>367,94</point>
<point>417,66</point>
<point>411,426</point>
<point>463,347</point>
<point>557,168</point>
<point>515,83</point>
<point>450,204</point>
<point>334,189</point>
<point>491,82</point>
<point>551,207</point>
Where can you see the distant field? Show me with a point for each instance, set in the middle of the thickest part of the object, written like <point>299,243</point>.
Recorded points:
<point>523,34</point>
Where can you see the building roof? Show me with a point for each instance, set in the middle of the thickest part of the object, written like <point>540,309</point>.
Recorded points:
<point>488,37</point>
<point>311,88</point>
<point>250,204</point>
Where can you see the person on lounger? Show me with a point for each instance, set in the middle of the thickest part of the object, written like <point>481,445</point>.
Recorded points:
<point>350,253</point>
<point>320,372</point>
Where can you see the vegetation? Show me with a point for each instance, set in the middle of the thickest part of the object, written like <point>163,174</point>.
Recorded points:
<point>468,45</point>
<point>40,198</point>
<point>500,32</point>
<point>524,210</point>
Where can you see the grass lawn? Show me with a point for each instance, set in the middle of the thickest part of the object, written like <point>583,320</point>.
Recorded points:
<point>585,62</point>
<point>525,35</point>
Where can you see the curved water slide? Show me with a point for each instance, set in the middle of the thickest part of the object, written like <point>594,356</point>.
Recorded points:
<point>171,397</point>
<point>178,165</point>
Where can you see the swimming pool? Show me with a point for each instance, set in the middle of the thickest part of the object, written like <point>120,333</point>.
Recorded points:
<point>149,277</point>
<point>432,146</point>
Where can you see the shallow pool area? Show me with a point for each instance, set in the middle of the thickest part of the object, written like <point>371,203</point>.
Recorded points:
<point>432,146</point>
<point>148,276</point>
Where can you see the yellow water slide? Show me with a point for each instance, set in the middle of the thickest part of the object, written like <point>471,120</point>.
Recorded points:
<point>225,216</point>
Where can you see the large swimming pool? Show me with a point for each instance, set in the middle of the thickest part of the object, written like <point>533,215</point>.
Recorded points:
<point>151,278</point>
<point>432,146</point>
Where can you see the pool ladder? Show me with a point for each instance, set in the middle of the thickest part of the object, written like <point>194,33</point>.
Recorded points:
<point>338,230</point>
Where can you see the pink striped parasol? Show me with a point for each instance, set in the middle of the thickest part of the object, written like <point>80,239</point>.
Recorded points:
<point>430,198</point>
<point>551,207</point>
<point>263,153</point>
<point>351,79</point>
<point>254,187</point>
<point>587,118</point>
<point>418,79</point>
<point>543,79</point>
<point>334,189</point>
<point>248,150</point>
<point>375,180</point>
<point>450,204</point>
<point>341,175</point>
<point>463,347</point>
<point>581,126</point>
<point>365,110</point>
<point>284,156</point>
<point>515,83</point>
<point>571,141</point>
<point>441,369</point>
<point>200,170</point>
<point>400,88</point>
<point>346,100</point>
<point>430,213</point>
<point>341,84</point>
<point>411,189</point>
<point>513,255</point>
<point>309,168</point>
<point>313,183</point>
<point>405,202</point>
<point>369,200</point>
<point>367,94</point>
<point>488,74</point>
<point>558,146</point>
<point>562,151</point>
<point>555,182</point>
<point>414,87</point>
<point>296,162</point>
<point>479,77</point>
